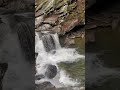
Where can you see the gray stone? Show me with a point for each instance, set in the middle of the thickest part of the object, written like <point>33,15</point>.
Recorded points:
<point>45,86</point>
<point>51,71</point>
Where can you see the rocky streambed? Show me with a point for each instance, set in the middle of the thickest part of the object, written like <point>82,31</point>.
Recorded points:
<point>56,66</point>
<point>59,64</point>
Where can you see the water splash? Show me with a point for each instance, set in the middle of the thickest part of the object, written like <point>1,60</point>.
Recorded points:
<point>52,56</point>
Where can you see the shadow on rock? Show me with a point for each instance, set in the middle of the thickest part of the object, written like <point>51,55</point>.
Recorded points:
<point>3,69</point>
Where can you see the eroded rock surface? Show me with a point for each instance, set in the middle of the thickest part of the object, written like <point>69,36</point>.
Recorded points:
<point>61,15</point>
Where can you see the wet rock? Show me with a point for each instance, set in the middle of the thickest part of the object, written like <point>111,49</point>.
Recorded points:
<point>38,13</point>
<point>44,27</point>
<point>69,41</point>
<point>51,71</point>
<point>51,20</point>
<point>3,69</point>
<point>45,86</point>
<point>38,21</point>
<point>79,34</point>
<point>71,88</point>
<point>57,29</point>
<point>69,25</point>
<point>36,54</point>
<point>38,77</point>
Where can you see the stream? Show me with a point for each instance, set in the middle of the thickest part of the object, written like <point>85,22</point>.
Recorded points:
<point>49,54</point>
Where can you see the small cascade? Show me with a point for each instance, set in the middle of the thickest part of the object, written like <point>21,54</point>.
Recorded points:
<point>51,42</point>
<point>48,42</point>
<point>56,39</point>
<point>50,54</point>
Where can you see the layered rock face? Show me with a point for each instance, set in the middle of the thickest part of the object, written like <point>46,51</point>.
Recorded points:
<point>58,16</point>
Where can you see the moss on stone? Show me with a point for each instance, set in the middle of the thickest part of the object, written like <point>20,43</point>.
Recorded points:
<point>76,70</point>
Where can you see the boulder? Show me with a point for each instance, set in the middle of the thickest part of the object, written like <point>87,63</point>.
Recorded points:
<point>51,71</point>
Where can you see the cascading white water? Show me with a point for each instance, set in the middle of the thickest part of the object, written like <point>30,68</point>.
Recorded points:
<point>50,52</point>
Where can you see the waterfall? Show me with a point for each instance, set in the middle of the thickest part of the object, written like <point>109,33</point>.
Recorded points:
<point>56,39</point>
<point>51,42</point>
<point>50,54</point>
<point>26,39</point>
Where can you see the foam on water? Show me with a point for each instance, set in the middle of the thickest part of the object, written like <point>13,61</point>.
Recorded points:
<point>54,57</point>
<point>66,80</point>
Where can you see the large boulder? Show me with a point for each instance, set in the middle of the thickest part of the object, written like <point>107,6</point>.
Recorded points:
<point>51,71</point>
